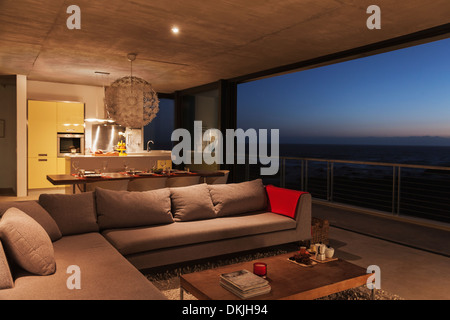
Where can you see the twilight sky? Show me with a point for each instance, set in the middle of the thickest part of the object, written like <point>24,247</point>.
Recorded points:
<point>396,94</point>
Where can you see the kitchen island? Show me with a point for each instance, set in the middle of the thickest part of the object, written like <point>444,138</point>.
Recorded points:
<point>84,170</point>
<point>143,161</point>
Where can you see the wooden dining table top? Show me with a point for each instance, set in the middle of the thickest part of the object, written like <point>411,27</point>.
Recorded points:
<point>65,179</point>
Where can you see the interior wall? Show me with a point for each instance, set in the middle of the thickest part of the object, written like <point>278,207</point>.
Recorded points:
<point>8,139</point>
<point>21,134</point>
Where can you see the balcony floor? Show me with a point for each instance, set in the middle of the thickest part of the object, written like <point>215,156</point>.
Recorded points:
<point>413,259</point>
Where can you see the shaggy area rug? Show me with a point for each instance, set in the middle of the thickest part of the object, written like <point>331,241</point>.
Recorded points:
<point>168,280</point>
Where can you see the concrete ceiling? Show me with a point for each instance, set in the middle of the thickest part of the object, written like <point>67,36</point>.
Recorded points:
<point>218,39</point>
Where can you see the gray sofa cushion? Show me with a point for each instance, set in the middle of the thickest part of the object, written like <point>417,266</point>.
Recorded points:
<point>192,203</point>
<point>136,240</point>
<point>123,209</point>
<point>27,243</point>
<point>35,210</point>
<point>74,213</point>
<point>236,198</point>
<point>104,273</point>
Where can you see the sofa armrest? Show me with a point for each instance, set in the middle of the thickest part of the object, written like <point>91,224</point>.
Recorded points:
<point>6,280</point>
<point>294,204</point>
<point>303,216</point>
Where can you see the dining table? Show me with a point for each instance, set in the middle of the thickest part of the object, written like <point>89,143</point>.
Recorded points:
<point>81,180</point>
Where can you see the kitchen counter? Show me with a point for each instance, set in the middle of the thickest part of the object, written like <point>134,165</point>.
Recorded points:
<point>139,161</point>
<point>152,153</point>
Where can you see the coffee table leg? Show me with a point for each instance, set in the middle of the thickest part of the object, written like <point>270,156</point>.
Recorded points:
<point>181,293</point>
<point>372,295</point>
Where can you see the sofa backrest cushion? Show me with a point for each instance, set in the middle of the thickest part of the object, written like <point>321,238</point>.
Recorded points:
<point>122,209</point>
<point>35,210</point>
<point>192,203</point>
<point>27,243</point>
<point>6,280</point>
<point>74,213</point>
<point>236,198</point>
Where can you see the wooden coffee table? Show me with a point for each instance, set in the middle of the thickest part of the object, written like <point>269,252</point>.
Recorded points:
<point>288,280</point>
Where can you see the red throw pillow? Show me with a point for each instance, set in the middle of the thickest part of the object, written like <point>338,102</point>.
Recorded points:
<point>283,201</point>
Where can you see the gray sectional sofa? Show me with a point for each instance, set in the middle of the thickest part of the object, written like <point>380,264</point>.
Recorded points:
<point>100,240</point>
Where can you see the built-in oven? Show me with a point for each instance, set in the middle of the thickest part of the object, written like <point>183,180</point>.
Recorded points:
<point>70,144</point>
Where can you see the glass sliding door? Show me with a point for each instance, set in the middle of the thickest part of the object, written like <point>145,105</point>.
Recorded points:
<point>159,131</point>
<point>197,112</point>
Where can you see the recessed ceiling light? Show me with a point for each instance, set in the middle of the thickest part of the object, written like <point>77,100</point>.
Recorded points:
<point>175,30</point>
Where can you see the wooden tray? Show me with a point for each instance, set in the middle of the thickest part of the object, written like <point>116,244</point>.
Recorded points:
<point>324,261</point>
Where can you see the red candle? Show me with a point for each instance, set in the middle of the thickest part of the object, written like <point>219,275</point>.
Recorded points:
<point>260,269</point>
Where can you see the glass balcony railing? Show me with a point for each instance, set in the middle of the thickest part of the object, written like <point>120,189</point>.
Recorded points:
<point>399,189</point>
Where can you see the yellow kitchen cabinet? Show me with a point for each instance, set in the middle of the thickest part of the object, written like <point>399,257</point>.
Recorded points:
<point>61,165</point>
<point>45,120</point>
<point>70,117</point>
<point>38,169</point>
<point>42,135</point>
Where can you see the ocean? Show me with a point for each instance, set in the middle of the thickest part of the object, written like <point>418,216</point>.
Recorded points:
<point>419,155</point>
<point>423,193</point>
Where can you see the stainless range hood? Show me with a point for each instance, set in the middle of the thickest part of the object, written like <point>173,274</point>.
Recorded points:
<point>101,115</point>
<point>106,136</point>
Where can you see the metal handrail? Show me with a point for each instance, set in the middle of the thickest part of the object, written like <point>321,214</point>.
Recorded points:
<point>403,193</point>
<point>384,164</point>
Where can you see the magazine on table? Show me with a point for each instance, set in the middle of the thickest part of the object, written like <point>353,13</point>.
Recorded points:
<point>244,283</point>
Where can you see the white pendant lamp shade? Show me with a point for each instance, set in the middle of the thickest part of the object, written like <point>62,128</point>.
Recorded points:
<point>131,101</point>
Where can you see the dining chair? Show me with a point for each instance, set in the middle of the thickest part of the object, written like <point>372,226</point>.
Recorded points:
<point>119,185</point>
<point>145,184</point>
<point>182,181</point>
<point>218,180</point>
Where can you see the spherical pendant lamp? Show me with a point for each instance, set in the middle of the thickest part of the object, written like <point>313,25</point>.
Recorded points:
<point>131,101</point>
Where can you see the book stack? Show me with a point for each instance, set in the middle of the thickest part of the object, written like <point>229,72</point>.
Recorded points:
<point>244,284</point>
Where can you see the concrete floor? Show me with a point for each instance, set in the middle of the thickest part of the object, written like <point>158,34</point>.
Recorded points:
<point>33,194</point>
<point>406,270</point>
